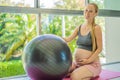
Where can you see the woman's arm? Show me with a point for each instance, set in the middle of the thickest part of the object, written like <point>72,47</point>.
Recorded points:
<point>72,36</point>
<point>98,36</point>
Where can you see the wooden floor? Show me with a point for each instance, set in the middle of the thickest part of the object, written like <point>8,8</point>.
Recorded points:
<point>115,66</point>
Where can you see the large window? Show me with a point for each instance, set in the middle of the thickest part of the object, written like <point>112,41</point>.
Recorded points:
<point>16,30</point>
<point>18,3</point>
<point>18,27</point>
<point>63,4</point>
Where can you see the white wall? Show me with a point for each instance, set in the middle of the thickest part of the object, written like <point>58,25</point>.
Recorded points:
<point>112,34</point>
<point>112,39</point>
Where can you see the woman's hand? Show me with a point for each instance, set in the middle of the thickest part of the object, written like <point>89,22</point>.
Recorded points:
<point>83,61</point>
<point>64,39</point>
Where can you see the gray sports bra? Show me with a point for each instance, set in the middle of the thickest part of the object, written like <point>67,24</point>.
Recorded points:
<point>84,42</point>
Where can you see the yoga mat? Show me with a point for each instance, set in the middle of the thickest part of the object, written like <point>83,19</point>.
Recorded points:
<point>105,75</point>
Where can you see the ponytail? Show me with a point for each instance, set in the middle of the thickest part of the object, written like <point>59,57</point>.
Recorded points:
<point>93,36</point>
<point>94,45</point>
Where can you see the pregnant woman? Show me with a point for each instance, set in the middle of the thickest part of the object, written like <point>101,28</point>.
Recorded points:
<point>86,62</point>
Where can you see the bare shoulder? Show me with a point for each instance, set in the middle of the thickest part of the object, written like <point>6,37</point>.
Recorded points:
<point>98,30</point>
<point>97,27</point>
<point>77,28</point>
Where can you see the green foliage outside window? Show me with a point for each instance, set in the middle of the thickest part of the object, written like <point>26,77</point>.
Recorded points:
<point>16,30</point>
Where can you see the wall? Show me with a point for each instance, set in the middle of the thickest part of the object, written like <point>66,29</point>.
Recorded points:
<point>112,26</point>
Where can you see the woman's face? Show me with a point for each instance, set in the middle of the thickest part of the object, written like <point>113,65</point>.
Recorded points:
<point>89,12</point>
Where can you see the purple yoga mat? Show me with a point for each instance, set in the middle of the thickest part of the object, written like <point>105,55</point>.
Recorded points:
<point>105,75</point>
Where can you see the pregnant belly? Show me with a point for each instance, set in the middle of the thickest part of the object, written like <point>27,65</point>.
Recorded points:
<point>82,54</point>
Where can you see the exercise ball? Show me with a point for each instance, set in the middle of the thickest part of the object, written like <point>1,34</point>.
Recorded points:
<point>46,57</point>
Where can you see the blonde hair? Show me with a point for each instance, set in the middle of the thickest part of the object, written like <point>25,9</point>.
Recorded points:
<point>94,46</point>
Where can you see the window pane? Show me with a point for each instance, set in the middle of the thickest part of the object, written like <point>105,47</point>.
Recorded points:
<point>100,3</point>
<point>107,4</point>
<point>63,4</point>
<point>19,3</point>
<point>16,30</point>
